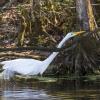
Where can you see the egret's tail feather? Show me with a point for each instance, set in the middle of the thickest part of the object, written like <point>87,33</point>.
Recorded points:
<point>4,62</point>
<point>6,74</point>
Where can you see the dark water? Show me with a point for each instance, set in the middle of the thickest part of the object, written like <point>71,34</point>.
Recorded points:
<point>60,90</point>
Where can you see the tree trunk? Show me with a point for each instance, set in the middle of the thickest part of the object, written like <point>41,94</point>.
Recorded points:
<point>36,15</point>
<point>84,57</point>
<point>85,15</point>
<point>88,46</point>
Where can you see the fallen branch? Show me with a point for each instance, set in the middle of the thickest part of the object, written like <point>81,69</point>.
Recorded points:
<point>30,48</point>
<point>19,55</point>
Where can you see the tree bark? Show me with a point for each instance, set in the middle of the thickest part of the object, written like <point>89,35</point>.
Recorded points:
<point>87,47</point>
<point>85,15</point>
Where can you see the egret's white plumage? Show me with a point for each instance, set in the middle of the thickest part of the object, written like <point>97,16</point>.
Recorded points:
<point>31,66</point>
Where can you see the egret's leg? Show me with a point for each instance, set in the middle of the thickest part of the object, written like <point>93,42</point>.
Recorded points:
<point>41,75</point>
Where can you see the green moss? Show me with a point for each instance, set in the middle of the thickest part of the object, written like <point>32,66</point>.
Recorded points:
<point>55,79</point>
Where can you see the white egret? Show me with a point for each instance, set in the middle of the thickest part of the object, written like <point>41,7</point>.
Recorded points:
<point>31,66</point>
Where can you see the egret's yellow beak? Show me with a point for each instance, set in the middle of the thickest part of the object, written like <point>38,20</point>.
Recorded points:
<point>80,32</point>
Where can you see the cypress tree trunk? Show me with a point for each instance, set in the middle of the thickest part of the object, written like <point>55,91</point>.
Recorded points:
<point>84,57</point>
<point>85,15</point>
<point>36,15</point>
<point>87,55</point>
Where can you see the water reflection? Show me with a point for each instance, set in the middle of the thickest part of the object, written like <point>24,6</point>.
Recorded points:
<point>25,94</point>
<point>60,90</point>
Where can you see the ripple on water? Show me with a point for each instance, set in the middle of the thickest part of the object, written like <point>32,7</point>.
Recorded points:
<point>26,94</point>
<point>69,90</point>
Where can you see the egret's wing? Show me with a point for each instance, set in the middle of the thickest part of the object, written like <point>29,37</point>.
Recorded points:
<point>23,66</point>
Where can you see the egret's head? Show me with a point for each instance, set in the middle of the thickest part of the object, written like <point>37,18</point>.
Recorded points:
<point>72,34</point>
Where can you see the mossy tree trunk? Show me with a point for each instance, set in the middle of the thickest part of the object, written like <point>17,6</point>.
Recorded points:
<point>85,15</point>
<point>84,57</point>
<point>87,56</point>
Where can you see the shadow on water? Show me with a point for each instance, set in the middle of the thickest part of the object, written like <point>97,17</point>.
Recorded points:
<point>60,90</point>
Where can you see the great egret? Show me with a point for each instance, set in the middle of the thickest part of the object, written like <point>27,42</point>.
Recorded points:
<point>31,66</point>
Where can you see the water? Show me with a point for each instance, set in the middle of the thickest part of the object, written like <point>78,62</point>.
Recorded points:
<point>60,90</point>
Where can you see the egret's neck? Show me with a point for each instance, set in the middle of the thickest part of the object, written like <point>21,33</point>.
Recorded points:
<point>54,54</point>
<point>51,57</point>
<point>62,42</point>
